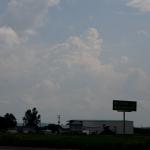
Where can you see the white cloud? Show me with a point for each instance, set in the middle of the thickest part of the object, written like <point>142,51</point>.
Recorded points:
<point>142,5</point>
<point>8,37</point>
<point>124,59</point>
<point>26,15</point>
<point>68,77</point>
<point>143,33</point>
<point>30,32</point>
<point>53,2</point>
<point>86,50</point>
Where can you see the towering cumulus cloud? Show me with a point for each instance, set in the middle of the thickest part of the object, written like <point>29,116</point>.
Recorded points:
<point>70,77</point>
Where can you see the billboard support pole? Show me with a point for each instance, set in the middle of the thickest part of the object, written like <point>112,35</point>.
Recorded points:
<point>124,123</point>
<point>124,106</point>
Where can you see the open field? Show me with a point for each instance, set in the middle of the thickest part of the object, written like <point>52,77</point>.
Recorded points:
<point>76,141</point>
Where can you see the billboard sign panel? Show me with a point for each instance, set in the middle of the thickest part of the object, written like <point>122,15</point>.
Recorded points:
<point>124,106</point>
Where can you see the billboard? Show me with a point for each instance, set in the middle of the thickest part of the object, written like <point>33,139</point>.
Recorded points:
<point>124,106</point>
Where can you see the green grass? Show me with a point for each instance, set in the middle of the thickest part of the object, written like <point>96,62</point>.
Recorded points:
<point>77,141</point>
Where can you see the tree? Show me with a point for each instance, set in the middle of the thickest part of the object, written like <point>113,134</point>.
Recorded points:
<point>32,118</point>
<point>3,124</point>
<point>11,121</point>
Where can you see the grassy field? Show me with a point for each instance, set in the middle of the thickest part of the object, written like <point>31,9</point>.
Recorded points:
<point>76,141</point>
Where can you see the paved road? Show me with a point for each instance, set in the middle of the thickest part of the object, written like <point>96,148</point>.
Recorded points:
<point>22,148</point>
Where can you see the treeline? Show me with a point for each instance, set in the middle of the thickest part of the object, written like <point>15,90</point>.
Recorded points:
<point>8,121</point>
<point>143,131</point>
<point>31,119</point>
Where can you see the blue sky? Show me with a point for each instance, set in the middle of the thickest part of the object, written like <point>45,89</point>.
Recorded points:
<point>73,57</point>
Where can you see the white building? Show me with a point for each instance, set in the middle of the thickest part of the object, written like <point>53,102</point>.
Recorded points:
<point>101,126</point>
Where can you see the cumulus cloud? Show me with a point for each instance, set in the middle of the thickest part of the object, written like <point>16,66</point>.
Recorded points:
<point>8,37</point>
<point>142,5</point>
<point>53,2</point>
<point>53,76</point>
<point>68,77</point>
<point>25,16</point>
<point>86,50</point>
<point>124,59</point>
<point>143,33</point>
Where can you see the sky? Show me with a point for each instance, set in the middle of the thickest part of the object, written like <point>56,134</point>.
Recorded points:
<point>73,57</point>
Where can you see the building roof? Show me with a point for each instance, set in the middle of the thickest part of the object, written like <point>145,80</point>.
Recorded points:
<point>88,120</point>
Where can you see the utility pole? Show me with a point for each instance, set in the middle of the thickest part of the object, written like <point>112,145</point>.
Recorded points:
<point>59,116</point>
<point>124,123</point>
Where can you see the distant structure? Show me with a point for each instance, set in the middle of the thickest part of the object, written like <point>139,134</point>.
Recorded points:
<point>58,116</point>
<point>100,126</point>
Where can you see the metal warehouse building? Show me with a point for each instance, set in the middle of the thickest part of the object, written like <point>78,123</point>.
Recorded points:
<point>100,126</point>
